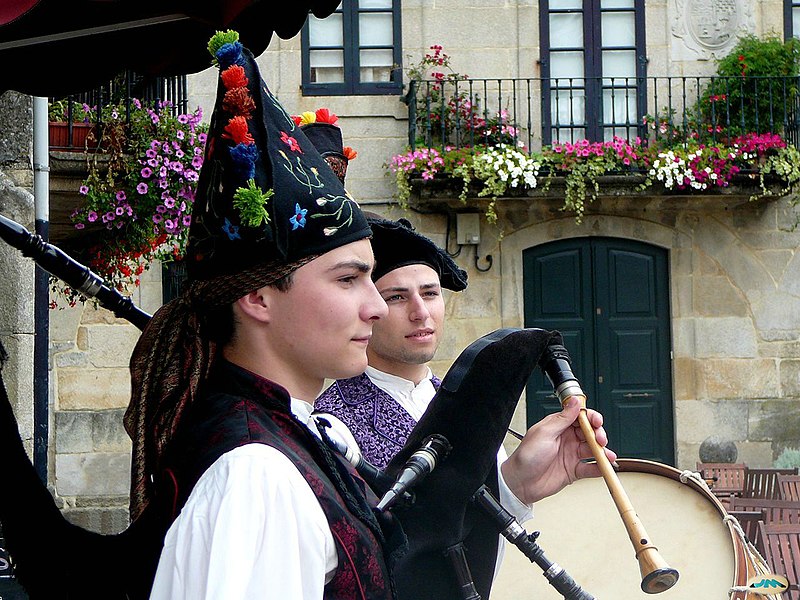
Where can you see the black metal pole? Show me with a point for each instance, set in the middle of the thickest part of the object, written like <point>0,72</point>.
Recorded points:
<point>41,371</point>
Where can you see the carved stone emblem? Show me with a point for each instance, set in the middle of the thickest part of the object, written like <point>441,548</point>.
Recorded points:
<point>708,28</point>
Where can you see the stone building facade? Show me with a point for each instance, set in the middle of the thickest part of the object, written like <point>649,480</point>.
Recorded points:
<point>733,265</point>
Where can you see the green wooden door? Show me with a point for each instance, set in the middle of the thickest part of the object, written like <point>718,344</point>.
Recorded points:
<point>610,299</point>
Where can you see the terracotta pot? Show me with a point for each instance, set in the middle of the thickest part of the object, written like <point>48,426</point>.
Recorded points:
<point>60,136</point>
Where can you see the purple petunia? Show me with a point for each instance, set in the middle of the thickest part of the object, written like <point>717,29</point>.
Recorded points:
<point>187,220</point>
<point>197,162</point>
<point>119,211</point>
<point>91,217</point>
<point>121,196</point>
<point>157,218</point>
<point>161,208</point>
<point>150,153</point>
<point>147,172</point>
<point>79,226</point>
<point>169,202</point>
<point>84,190</point>
<point>142,188</point>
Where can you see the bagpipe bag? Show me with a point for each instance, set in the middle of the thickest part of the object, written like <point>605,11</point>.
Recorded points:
<point>472,409</point>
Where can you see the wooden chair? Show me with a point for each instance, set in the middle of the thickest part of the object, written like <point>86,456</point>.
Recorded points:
<point>749,519</point>
<point>724,479</point>
<point>781,549</point>
<point>789,487</point>
<point>775,511</point>
<point>763,483</point>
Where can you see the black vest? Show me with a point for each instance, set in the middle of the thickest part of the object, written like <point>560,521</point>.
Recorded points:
<point>238,408</point>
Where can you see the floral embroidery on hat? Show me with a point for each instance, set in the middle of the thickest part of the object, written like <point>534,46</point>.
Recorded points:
<point>299,218</point>
<point>231,230</point>
<point>291,142</point>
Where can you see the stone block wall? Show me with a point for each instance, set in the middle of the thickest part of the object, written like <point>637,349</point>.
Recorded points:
<point>90,380</point>
<point>17,280</point>
<point>735,307</point>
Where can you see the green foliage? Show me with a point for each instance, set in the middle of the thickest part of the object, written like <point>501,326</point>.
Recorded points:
<point>59,111</point>
<point>789,458</point>
<point>754,89</point>
<point>785,164</point>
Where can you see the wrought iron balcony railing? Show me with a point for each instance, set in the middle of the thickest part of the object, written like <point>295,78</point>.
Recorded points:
<point>537,112</point>
<point>119,92</point>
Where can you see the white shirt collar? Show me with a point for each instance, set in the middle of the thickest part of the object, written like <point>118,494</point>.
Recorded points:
<point>381,379</point>
<point>302,411</point>
<point>413,398</point>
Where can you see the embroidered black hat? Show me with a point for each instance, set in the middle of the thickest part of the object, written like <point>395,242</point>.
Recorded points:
<point>322,128</point>
<point>396,244</point>
<point>265,194</point>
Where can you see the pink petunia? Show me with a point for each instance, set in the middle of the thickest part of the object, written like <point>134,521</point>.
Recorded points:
<point>142,188</point>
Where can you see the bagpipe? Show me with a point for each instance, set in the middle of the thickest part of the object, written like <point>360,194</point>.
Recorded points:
<point>452,525</point>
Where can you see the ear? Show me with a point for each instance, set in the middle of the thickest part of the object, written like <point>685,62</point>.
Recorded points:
<point>255,305</point>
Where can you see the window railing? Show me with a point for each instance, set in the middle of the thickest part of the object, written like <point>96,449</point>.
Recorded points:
<point>86,107</point>
<point>535,112</point>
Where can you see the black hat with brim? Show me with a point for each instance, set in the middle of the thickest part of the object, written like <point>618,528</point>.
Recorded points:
<point>396,244</point>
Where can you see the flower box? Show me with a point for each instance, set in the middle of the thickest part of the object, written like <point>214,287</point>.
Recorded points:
<point>79,141</point>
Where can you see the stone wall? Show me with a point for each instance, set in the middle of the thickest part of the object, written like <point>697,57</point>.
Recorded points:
<point>17,281</point>
<point>734,296</point>
<point>89,354</point>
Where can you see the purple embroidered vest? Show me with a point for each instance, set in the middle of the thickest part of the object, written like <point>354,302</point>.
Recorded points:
<point>238,408</point>
<point>377,421</point>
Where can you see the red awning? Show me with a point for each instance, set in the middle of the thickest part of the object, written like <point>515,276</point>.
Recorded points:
<point>57,47</point>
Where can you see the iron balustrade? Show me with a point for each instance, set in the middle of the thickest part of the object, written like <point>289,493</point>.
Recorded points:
<point>120,91</point>
<point>537,112</point>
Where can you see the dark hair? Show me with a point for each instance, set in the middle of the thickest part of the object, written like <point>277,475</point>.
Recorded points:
<point>221,321</point>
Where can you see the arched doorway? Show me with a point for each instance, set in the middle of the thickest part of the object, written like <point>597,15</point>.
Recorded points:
<point>609,298</point>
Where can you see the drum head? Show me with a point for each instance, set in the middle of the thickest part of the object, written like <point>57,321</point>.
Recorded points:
<point>582,531</point>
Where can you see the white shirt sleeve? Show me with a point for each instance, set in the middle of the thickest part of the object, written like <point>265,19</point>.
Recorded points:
<point>251,529</point>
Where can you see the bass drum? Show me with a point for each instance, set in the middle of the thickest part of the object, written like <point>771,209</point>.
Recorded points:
<point>582,531</point>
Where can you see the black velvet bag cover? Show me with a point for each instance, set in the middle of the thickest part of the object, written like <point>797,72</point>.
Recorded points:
<point>472,409</point>
<point>56,559</point>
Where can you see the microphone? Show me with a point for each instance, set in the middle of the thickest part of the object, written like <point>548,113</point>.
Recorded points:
<point>434,449</point>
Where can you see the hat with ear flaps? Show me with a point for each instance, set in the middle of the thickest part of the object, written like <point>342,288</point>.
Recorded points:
<point>266,204</point>
<point>322,128</point>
